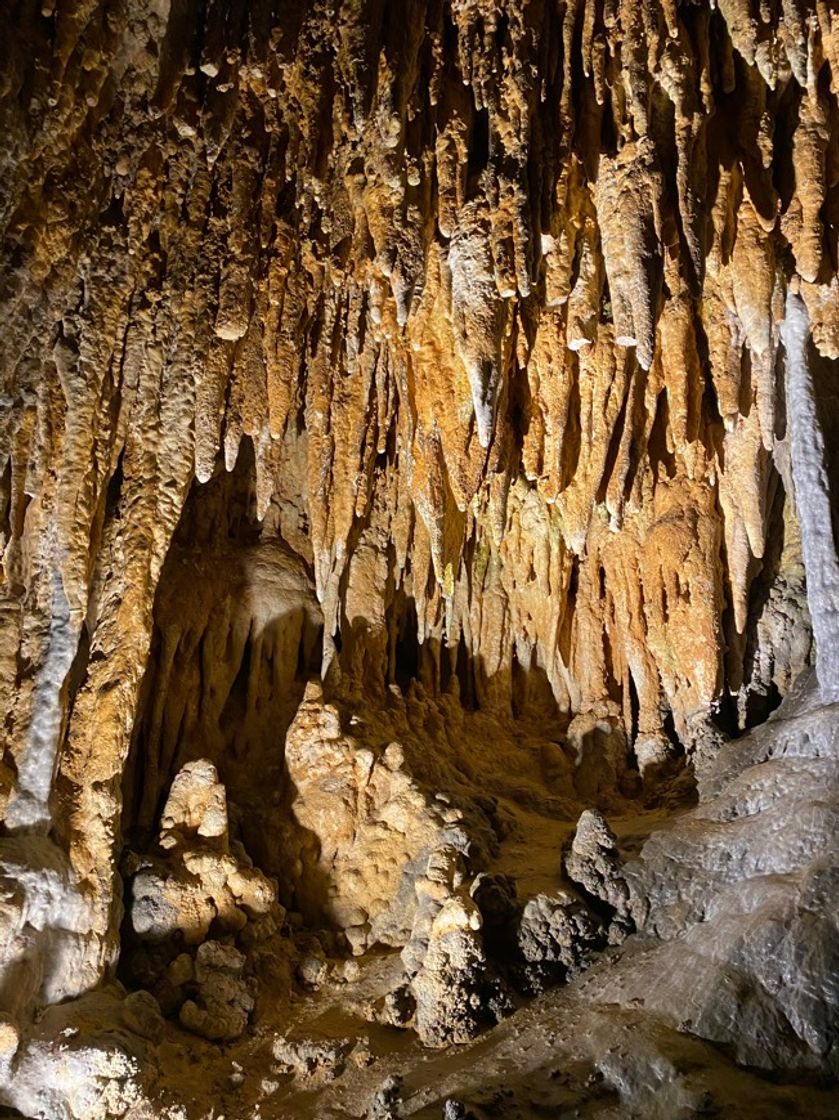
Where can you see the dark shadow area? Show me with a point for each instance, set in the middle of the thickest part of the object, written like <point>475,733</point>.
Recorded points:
<point>478,158</point>
<point>662,459</point>
<point>237,633</point>
<point>405,660</point>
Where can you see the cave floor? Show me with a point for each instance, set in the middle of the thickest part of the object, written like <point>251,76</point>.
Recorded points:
<point>560,1055</point>
<point>574,1051</point>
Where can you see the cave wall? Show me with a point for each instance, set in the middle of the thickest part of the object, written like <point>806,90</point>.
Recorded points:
<point>494,291</point>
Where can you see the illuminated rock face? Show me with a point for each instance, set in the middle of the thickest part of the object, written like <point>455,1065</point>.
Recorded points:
<point>479,344</point>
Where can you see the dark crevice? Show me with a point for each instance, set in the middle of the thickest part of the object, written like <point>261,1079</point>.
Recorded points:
<point>662,459</point>
<point>406,650</point>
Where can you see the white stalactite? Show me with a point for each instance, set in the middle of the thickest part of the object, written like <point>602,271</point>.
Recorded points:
<point>812,497</point>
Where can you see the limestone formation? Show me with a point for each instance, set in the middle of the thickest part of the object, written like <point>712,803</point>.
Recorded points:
<point>387,1100</point>
<point>183,900</point>
<point>740,896</point>
<point>358,822</point>
<point>419,593</point>
<point>558,934</point>
<point>593,863</point>
<point>451,984</point>
<point>311,1058</point>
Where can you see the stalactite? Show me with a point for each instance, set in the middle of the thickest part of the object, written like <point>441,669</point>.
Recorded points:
<point>479,333</point>
<point>807,454</point>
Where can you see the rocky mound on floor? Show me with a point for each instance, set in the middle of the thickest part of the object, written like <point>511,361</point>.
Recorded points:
<point>200,914</point>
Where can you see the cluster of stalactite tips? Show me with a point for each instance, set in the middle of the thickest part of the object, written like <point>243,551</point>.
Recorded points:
<point>441,359</point>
